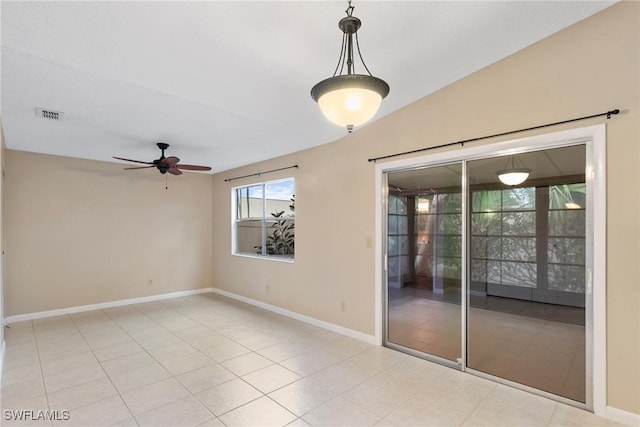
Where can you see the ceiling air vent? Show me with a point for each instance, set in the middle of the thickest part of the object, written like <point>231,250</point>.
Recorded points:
<point>49,114</point>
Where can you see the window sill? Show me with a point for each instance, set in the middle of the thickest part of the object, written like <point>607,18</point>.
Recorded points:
<point>276,258</point>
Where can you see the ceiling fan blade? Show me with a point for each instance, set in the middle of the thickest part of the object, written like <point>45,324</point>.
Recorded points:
<point>174,171</point>
<point>134,161</point>
<point>140,167</point>
<point>193,167</point>
<point>170,161</point>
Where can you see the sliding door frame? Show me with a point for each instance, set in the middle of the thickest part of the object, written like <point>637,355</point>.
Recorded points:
<point>460,361</point>
<point>594,139</point>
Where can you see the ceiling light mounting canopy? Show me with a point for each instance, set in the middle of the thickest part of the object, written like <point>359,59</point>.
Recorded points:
<point>350,99</point>
<point>514,175</point>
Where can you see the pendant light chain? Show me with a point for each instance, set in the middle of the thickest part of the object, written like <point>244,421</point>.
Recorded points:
<point>350,10</point>
<point>345,43</point>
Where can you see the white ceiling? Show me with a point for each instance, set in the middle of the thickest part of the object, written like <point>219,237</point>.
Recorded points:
<point>227,83</point>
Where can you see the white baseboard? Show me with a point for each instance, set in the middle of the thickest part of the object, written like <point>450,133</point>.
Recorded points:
<point>624,417</point>
<point>100,306</point>
<point>313,321</point>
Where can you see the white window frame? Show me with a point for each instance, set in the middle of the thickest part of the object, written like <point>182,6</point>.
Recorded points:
<point>265,220</point>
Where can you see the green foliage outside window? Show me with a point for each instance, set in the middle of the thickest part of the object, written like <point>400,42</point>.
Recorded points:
<point>281,241</point>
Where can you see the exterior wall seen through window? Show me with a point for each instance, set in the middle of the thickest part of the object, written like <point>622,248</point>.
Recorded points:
<point>264,219</point>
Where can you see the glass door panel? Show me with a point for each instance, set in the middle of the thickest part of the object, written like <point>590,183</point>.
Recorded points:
<point>424,261</point>
<point>526,301</point>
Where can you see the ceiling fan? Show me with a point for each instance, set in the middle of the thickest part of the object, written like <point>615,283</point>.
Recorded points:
<point>165,164</point>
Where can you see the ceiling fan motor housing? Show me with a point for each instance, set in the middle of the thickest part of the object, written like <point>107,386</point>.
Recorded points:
<point>159,164</point>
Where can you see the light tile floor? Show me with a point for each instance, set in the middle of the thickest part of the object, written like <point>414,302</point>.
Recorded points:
<point>206,360</point>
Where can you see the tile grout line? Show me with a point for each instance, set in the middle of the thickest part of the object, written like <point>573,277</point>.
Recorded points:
<point>555,409</point>
<point>44,384</point>
<point>157,361</point>
<point>263,394</point>
<point>105,372</point>
<point>336,395</point>
<point>214,361</point>
<point>145,350</point>
<point>491,390</point>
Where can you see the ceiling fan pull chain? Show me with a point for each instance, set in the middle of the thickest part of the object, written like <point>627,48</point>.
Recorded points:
<point>166,182</point>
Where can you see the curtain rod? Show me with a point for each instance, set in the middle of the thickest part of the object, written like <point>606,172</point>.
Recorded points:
<point>608,114</point>
<point>260,173</point>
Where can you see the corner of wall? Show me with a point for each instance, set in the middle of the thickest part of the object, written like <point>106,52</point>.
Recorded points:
<point>2,311</point>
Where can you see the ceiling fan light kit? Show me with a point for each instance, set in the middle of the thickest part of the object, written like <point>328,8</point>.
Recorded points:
<point>349,99</point>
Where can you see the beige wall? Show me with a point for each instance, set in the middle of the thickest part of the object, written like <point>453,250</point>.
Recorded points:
<point>588,68</point>
<point>82,232</point>
<point>2,245</point>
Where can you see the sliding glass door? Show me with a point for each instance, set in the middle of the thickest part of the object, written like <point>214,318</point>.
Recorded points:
<point>526,311</point>
<point>492,279</point>
<point>424,259</point>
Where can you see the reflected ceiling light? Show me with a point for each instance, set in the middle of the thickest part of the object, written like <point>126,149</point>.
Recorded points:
<point>514,175</point>
<point>349,99</point>
<point>572,205</point>
<point>423,205</point>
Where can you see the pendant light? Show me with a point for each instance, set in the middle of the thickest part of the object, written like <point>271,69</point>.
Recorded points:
<point>514,175</point>
<point>349,99</point>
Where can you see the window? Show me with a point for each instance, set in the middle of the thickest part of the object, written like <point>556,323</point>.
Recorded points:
<point>566,238</point>
<point>529,243</point>
<point>438,224</point>
<point>264,219</point>
<point>503,237</point>
<point>398,243</point>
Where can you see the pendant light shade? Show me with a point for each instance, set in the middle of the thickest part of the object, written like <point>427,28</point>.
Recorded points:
<point>513,175</point>
<point>349,99</point>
